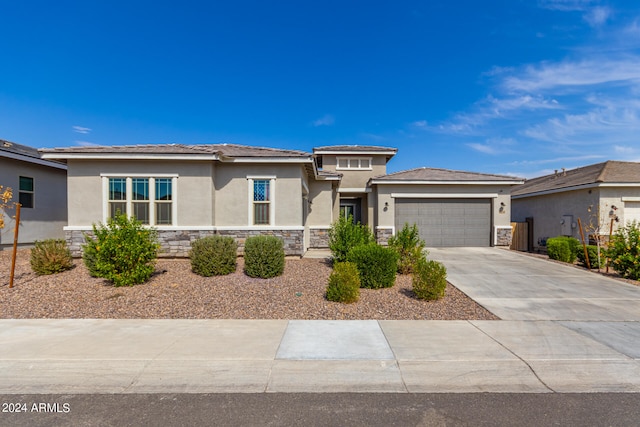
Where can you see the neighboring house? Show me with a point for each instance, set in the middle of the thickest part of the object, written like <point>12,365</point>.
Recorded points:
<point>595,194</point>
<point>191,191</point>
<point>41,188</point>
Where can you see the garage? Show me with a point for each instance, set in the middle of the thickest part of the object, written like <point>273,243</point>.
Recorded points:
<point>447,222</point>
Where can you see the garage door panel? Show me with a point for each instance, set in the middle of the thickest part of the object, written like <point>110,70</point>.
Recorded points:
<point>447,222</point>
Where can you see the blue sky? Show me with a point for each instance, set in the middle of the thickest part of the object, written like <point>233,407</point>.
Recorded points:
<point>517,87</point>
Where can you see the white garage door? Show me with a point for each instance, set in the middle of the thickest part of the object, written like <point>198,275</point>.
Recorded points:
<point>447,222</point>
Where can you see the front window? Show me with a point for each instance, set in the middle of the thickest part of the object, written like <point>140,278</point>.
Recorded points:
<point>351,163</point>
<point>164,197</point>
<point>117,196</point>
<point>25,192</point>
<point>149,200</point>
<point>261,201</point>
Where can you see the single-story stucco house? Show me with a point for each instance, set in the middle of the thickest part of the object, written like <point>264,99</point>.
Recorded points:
<point>40,185</point>
<point>596,194</point>
<point>190,191</point>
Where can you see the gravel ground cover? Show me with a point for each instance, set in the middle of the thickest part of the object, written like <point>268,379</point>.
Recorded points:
<point>175,292</point>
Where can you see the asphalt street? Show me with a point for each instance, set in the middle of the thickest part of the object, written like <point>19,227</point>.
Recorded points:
<point>322,409</point>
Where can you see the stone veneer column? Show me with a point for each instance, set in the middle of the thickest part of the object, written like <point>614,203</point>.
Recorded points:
<point>383,235</point>
<point>503,236</point>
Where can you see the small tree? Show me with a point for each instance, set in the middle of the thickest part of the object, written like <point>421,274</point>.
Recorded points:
<point>597,225</point>
<point>6,194</point>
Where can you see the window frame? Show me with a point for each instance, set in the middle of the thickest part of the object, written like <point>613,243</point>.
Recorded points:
<point>31,192</point>
<point>252,202</point>
<point>151,201</point>
<point>354,163</point>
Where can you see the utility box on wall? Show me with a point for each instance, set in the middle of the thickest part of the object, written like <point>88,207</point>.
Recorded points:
<point>566,228</point>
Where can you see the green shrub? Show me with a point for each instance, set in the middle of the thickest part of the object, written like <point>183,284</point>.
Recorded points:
<point>90,257</point>
<point>344,235</point>
<point>624,251</point>
<point>213,256</point>
<point>50,256</point>
<point>344,283</point>
<point>409,247</point>
<point>376,264</point>
<point>592,250</point>
<point>429,279</point>
<point>563,248</point>
<point>123,251</point>
<point>263,256</point>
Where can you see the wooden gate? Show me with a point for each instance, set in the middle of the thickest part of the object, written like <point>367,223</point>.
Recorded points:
<point>519,236</point>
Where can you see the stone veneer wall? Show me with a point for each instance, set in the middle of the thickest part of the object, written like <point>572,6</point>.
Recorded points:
<point>318,238</point>
<point>178,243</point>
<point>503,236</point>
<point>382,235</point>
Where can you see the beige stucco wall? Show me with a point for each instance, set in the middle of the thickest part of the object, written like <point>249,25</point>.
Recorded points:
<point>49,214</point>
<point>356,178</point>
<point>547,211</point>
<point>193,195</point>
<point>321,209</point>
<point>233,193</point>
<point>498,193</point>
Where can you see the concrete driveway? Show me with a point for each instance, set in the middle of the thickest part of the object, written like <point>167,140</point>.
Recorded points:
<point>516,286</point>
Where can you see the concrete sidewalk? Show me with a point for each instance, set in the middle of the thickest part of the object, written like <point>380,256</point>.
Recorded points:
<point>254,356</point>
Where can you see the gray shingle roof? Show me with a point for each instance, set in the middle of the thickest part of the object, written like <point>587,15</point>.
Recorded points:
<point>443,175</point>
<point>26,153</point>
<point>23,150</point>
<point>607,172</point>
<point>234,150</point>
<point>226,150</point>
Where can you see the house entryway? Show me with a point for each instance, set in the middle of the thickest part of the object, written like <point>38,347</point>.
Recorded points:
<point>351,207</point>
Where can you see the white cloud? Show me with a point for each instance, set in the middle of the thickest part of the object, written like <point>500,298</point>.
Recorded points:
<point>565,5</point>
<point>326,120</point>
<point>570,74</point>
<point>590,158</point>
<point>593,14</point>
<point>80,129</point>
<point>420,124</point>
<point>597,16</point>
<point>620,149</point>
<point>86,144</point>
<point>493,146</point>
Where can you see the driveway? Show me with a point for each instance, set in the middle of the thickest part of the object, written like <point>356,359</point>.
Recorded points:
<point>515,286</point>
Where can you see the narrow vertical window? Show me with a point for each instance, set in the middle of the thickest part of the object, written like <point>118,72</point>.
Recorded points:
<point>117,196</point>
<point>261,202</point>
<point>164,200</point>
<point>26,191</point>
<point>140,199</point>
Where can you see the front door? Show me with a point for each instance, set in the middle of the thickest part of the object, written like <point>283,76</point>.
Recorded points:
<point>351,207</point>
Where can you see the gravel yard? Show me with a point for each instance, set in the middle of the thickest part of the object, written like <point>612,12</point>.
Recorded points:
<point>174,292</point>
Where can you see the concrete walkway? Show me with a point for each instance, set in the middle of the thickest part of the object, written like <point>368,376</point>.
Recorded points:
<point>557,336</point>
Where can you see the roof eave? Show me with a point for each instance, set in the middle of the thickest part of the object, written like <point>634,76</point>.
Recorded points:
<point>303,160</point>
<point>127,156</point>
<point>357,152</point>
<point>35,160</point>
